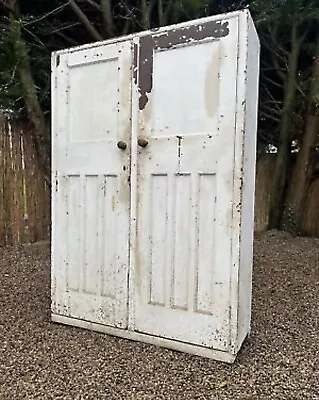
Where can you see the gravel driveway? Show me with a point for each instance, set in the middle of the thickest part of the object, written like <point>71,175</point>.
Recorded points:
<point>42,360</point>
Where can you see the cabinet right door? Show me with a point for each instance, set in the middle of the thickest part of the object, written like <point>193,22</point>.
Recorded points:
<point>187,86</point>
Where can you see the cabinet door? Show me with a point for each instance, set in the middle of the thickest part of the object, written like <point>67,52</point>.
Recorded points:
<point>187,87</point>
<point>91,193</point>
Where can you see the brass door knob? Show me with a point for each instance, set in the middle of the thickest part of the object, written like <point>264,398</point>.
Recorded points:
<point>142,142</point>
<point>121,145</point>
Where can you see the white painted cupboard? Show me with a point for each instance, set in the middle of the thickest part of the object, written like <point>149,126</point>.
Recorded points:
<point>153,169</point>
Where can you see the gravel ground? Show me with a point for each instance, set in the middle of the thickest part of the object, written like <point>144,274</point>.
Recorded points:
<point>42,360</point>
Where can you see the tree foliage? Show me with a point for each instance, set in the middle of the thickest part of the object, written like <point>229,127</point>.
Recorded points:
<point>288,31</point>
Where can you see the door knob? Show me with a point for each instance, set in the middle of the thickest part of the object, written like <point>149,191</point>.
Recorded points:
<point>142,142</point>
<point>121,145</point>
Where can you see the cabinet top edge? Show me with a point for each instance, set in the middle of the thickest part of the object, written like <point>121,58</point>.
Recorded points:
<point>220,17</point>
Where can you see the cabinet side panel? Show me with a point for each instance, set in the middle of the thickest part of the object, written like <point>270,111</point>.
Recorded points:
<point>248,186</point>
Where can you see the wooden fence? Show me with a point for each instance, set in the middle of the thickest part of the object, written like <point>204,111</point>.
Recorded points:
<point>25,198</point>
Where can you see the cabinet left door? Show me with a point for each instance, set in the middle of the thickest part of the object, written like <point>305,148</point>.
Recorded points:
<point>91,134</point>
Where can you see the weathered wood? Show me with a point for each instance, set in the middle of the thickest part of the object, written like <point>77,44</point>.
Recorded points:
<point>24,195</point>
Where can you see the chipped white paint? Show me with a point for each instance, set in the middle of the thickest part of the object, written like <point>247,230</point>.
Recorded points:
<point>185,181</point>
<point>167,258</point>
<point>91,195</point>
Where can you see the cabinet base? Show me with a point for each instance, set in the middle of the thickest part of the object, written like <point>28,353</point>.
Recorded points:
<point>153,340</point>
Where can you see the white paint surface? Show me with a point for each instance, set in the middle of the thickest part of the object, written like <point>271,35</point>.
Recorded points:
<point>185,182</point>
<point>91,194</point>
<point>166,258</point>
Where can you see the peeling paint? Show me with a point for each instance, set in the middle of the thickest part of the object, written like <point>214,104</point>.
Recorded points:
<point>179,150</point>
<point>135,66</point>
<point>148,110</point>
<point>148,44</point>
<point>213,29</point>
<point>145,69</point>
